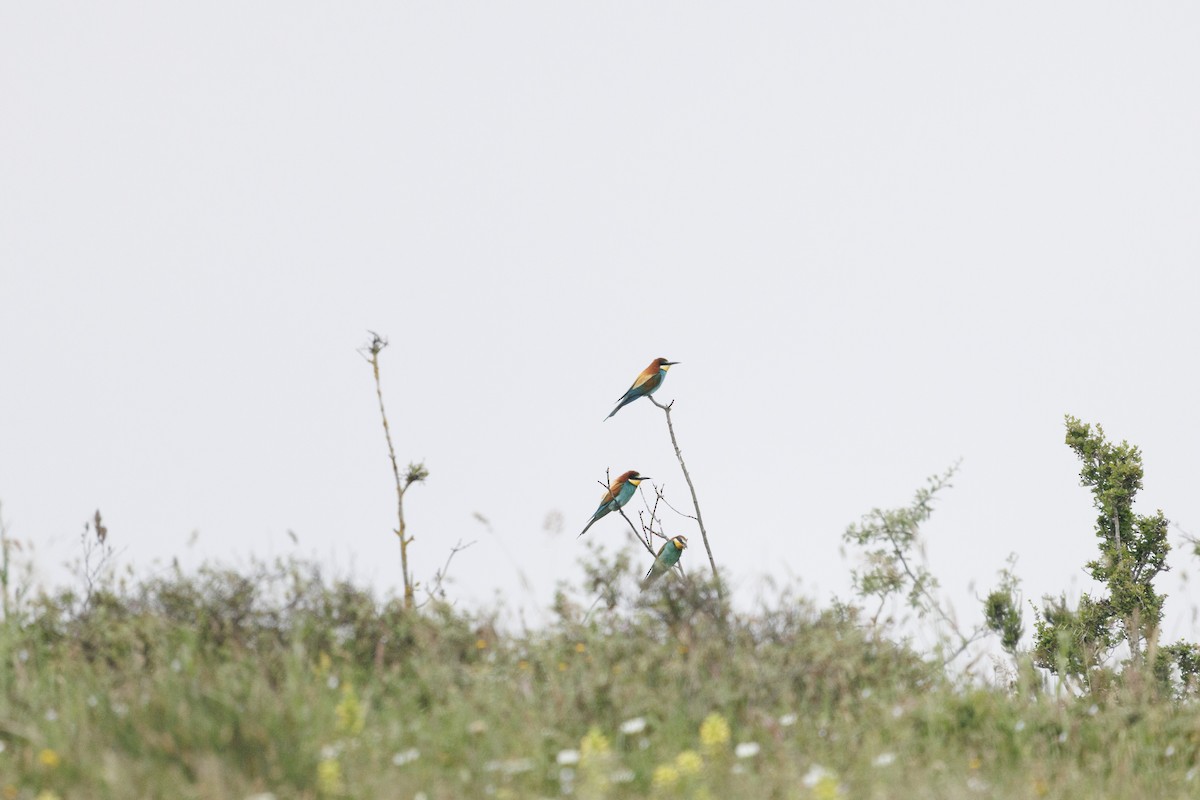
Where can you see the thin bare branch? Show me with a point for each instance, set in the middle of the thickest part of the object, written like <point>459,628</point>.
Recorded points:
<point>691,488</point>
<point>667,502</point>
<point>437,591</point>
<point>415,472</point>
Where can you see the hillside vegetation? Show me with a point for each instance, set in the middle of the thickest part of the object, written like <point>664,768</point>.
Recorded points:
<point>275,681</point>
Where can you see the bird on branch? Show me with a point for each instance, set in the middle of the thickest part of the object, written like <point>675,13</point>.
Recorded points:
<point>647,383</point>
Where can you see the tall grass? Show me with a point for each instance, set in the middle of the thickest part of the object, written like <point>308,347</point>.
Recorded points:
<point>277,679</point>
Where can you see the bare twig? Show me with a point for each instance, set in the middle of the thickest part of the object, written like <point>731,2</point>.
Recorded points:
<point>416,472</point>
<point>437,592</point>
<point>648,530</point>
<point>691,488</point>
<point>642,538</point>
<point>97,555</point>
<point>662,497</point>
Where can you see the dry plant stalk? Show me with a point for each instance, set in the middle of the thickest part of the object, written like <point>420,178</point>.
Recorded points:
<point>691,488</point>
<point>416,472</point>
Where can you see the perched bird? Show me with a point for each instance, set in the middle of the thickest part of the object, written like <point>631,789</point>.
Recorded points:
<point>617,495</point>
<point>668,556</point>
<point>646,384</point>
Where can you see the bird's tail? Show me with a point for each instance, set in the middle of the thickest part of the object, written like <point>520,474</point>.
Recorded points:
<point>624,401</point>
<point>585,527</point>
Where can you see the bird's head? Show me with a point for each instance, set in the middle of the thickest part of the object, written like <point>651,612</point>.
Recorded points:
<point>680,542</point>
<point>663,364</point>
<point>634,477</point>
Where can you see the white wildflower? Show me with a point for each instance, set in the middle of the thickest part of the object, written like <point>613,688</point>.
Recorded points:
<point>622,776</point>
<point>816,773</point>
<point>406,756</point>
<point>746,749</point>
<point>631,726</point>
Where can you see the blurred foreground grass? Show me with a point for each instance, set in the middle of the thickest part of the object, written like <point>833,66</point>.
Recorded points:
<point>275,681</point>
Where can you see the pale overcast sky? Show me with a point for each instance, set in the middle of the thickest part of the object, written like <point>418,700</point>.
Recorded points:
<point>879,237</point>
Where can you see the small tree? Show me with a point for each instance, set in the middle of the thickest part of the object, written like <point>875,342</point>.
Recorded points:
<point>894,565</point>
<point>1133,551</point>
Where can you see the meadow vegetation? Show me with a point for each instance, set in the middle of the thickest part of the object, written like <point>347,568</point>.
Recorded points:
<point>278,680</point>
<point>275,680</point>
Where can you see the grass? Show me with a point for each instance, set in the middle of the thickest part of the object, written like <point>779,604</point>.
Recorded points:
<point>276,680</point>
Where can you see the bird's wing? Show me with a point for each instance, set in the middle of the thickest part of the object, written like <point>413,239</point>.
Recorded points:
<point>648,374</point>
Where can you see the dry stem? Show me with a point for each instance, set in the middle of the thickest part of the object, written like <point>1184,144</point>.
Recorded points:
<point>691,488</point>
<point>416,472</point>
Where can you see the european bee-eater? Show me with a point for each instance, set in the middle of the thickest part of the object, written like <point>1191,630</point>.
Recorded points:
<point>618,494</point>
<point>646,384</point>
<point>668,556</point>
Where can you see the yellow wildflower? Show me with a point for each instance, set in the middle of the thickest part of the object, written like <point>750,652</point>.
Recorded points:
<point>481,644</point>
<point>323,665</point>
<point>665,777</point>
<point>329,776</point>
<point>49,759</point>
<point>593,746</point>
<point>827,788</point>
<point>349,712</point>
<point>714,732</point>
<point>688,762</point>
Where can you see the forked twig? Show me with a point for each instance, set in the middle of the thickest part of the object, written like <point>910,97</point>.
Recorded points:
<point>691,488</point>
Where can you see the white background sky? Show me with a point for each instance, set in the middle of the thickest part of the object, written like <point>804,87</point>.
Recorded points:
<point>879,237</point>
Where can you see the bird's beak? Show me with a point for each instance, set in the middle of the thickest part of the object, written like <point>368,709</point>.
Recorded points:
<point>671,363</point>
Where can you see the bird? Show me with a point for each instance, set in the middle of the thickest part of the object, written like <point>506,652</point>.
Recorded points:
<point>668,556</point>
<point>646,384</point>
<point>618,494</point>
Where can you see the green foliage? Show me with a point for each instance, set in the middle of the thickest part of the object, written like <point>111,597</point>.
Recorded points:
<point>1177,668</point>
<point>890,546</point>
<point>1133,551</point>
<point>277,679</point>
<point>890,540</point>
<point>1002,612</point>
